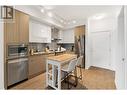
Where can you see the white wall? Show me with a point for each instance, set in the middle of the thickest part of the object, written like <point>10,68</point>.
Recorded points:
<point>1,57</point>
<point>106,24</point>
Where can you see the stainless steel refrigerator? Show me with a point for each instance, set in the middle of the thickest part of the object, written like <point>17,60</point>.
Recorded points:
<point>80,47</point>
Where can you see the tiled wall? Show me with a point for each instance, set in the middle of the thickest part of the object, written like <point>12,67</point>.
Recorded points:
<point>68,47</point>
<point>37,46</point>
<point>42,46</point>
<point>52,46</point>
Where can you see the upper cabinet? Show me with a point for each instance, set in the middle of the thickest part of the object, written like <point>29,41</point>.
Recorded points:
<point>24,27</point>
<point>67,36</point>
<point>11,30</point>
<point>18,30</point>
<point>39,32</point>
<point>79,30</point>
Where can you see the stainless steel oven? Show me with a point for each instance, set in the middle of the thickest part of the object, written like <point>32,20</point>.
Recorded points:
<point>17,63</point>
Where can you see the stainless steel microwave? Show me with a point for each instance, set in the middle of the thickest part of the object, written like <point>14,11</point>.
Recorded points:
<point>17,50</point>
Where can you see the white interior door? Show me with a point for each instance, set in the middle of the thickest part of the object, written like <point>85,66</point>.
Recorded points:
<point>101,49</point>
<point>120,65</point>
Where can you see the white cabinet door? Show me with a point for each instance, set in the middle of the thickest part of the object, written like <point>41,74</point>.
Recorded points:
<point>48,34</point>
<point>39,32</point>
<point>33,33</point>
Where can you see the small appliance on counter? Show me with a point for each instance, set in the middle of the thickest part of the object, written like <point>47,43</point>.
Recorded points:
<point>31,51</point>
<point>72,49</point>
<point>59,48</point>
<point>47,49</point>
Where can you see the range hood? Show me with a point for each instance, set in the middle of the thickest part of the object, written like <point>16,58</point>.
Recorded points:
<point>56,39</point>
<point>55,34</point>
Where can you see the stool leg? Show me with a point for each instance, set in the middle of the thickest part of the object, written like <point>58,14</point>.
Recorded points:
<point>64,77</point>
<point>81,72</point>
<point>56,78</point>
<point>75,74</point>
<point>68,80</point>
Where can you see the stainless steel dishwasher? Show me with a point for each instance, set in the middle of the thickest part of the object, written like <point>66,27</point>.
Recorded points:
<point>17,70</point>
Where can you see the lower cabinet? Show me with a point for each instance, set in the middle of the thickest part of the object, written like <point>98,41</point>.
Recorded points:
<point>37,64</point>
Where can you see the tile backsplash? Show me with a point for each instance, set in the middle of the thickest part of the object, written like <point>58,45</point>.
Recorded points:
<point>68,46</point>
<point>37,46</point>
<point>52,46</point>
<point>42,46</point>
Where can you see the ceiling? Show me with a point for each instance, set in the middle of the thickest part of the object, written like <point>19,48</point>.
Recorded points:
<point>78,13</point>
<point>73,12</point>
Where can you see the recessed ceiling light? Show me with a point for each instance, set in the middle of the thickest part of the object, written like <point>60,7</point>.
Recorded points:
<point>101,16</point>
<point>47,7</point>
<point>50,14</point>
<point>42,10</point>
<point>74,21</point>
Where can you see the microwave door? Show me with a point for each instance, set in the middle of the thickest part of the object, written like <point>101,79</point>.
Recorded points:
<point>13,51</point>
<point>22,50</point>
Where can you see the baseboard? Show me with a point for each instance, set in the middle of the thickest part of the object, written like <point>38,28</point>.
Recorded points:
<point>87,67</point>
<point>104,67</point>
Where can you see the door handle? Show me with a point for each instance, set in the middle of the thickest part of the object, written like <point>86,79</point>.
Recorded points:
<point>123,59</point>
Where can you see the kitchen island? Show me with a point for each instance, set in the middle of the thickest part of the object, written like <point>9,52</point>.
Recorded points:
<point>56,62</point>
<point>37,62</point>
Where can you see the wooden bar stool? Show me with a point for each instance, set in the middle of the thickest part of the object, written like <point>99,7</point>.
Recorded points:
<point>68,69</point>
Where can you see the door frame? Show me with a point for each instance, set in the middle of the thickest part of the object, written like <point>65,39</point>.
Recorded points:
<point>125,28</point>
<point>124,58</point>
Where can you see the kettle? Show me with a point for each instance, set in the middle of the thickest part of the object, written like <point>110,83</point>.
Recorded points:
<point>32,51</point>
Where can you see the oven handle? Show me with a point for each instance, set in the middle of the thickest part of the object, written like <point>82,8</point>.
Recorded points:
<point>17,60</point>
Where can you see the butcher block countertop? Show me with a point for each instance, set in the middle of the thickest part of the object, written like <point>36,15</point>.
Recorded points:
<point>63,57</point>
